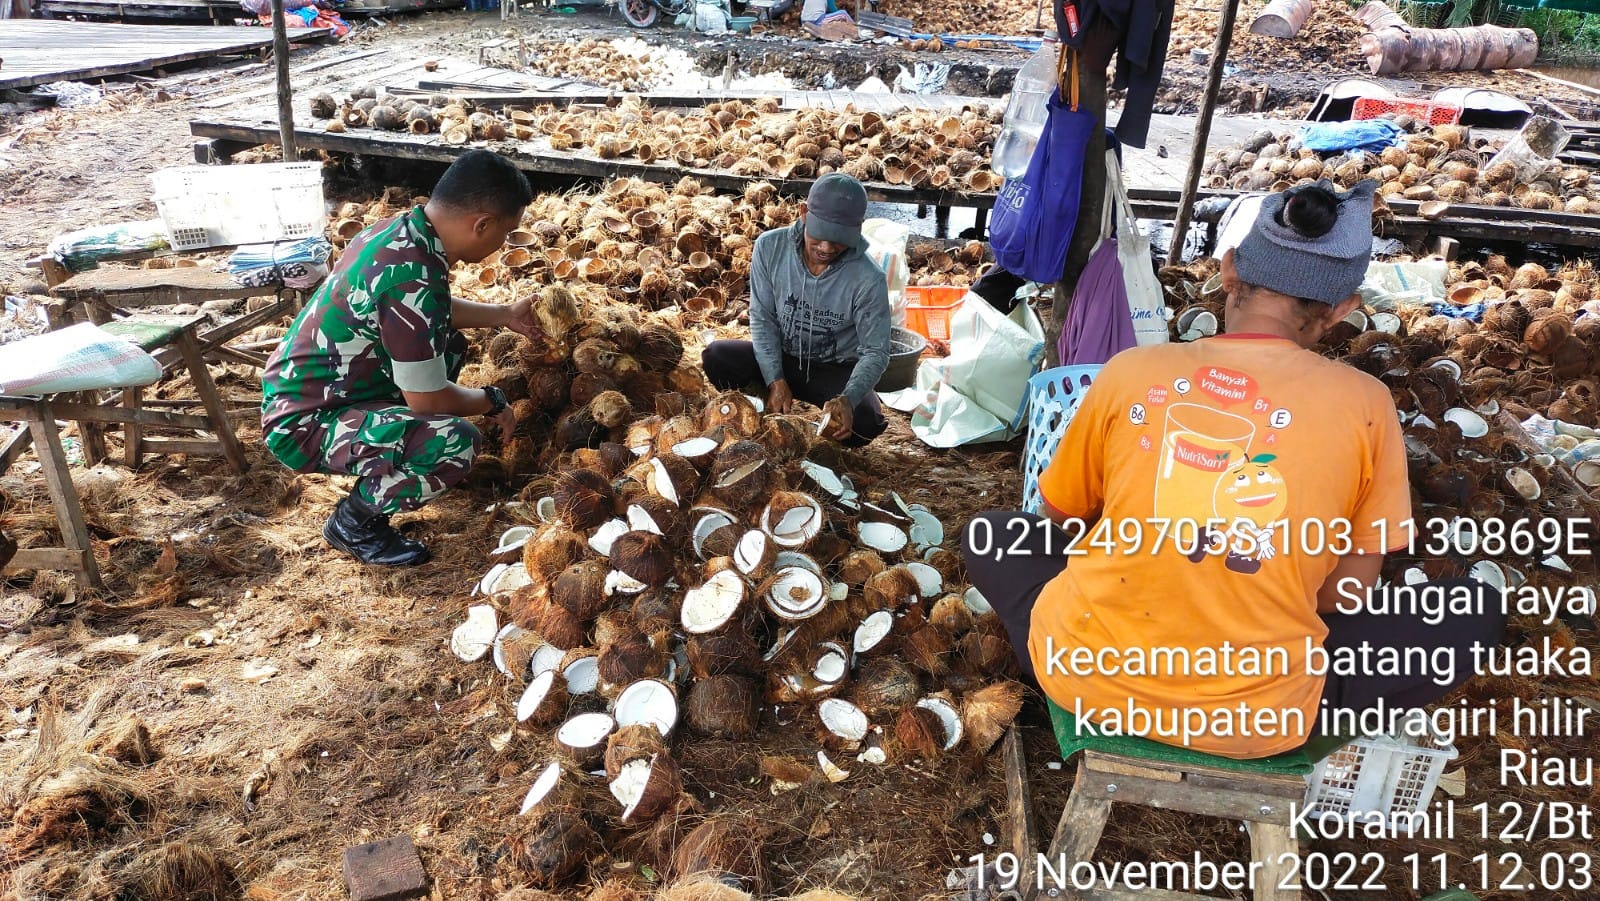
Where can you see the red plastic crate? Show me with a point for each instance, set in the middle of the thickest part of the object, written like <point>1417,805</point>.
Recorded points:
<point>930,307</point>
<point>1422,110</point>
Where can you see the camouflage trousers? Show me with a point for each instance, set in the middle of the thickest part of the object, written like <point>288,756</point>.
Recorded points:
<point>403,458</point>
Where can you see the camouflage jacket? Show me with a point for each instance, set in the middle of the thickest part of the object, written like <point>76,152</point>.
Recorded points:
<point>377,326</point>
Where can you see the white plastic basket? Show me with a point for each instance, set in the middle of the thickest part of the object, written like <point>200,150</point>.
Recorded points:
<point>214,206</point>
<point>1391,776</point>
<point>1053,396</point>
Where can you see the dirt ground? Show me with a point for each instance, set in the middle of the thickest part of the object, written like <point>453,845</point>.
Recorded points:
<point>295,703</point>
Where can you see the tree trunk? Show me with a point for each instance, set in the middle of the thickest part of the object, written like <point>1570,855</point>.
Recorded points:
<point>1376,15</point>
<point>1283,18</point>
<point>280,54</point>
<point>1098,45</point>
<point>1392,50</point>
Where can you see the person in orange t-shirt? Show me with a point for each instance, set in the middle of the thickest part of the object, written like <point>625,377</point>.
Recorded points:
<point>1233,500</point>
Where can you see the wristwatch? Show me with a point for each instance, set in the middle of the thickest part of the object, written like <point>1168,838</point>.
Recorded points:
<point>497,401</point>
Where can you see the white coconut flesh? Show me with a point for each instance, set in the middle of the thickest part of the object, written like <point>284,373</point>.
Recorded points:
<point>630,785</point>
<point>705,527</point>
<point>514,538</point>
<point>738,474</point>
<point>486,584</point>
<point>585,730</point>
<point>695,447</point>
<point>899,503</point>
<point>662,482</point>
<point>640,520</point>
<point>582,675</point>
<point>926,529</point>
<point>648,701</point>
<point>976,602</point>
<point>843,719</point>
<point>508,632</point>
<point>873,630</point>
<point>838,591</point>
<point>546,659</point>
<point>786,559</point>
<point>548,779</point>
<point>545,509</point>
<point>709,607</point>
<point>758,403</point>
<point>831,665</point>
<point>619,582</point>
<point>473,638</point>
<point>884,513</point>
<point>884,537</point>
<point>796,526</point>
<point>534,694</point>
<point>606,534</point>
<point>748,553</point>
<point>825,478</point>
<point>796,593</point>
<point>949,718</point>
<point>778,646</point>
<point>929,582</point>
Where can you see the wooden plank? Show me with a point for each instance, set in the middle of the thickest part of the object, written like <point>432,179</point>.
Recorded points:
<point>1215,802</point>
<point>387,870</point>
<point>1020,826</point>
<point>57,558</point>
<point>181,446</point>
<point>1083,819</point>
<point>38,51</point>
<point>15,448</point>
<point>1274,851</point>
<point>58,477</point>
<point>115,414</point>
<point>200,377</point>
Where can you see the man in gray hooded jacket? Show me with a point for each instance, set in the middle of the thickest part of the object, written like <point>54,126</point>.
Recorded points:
<point>819,317</point>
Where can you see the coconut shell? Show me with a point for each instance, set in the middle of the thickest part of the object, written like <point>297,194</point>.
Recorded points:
<point>1572,359</point>
<point>589,386</point>
<point>683,480</point>
<point>988,712</point>
<point>656,610</point>
<point>734,412</point>
<point>534,611</point>
<point>584,499</point>
<point>725,706</point>
<point>891,588</point>
<point>859,566</point>
<point>551,849</point>
<point>728,651</point>
<point>638,742</point>
<point>724,846</point>
<point>660,792</point>
<point>666,516</point>
<point>644,556</point>
<point>951,614</point>
<point>626,661</point>
<point>1545,334</point>
<point>580,588</point>
<point>741,476</point>
<point>576,428</point>
<point>918,733</point>
<point>927,649</point>
<point>885,686</point>
<point>553,706</point>
<point>552,550</point>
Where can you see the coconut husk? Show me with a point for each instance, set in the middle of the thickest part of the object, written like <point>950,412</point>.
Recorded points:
<point>551,550</point>
<point>644,556</point>
<point>533,610</point>
<point>617,890</point>
<point>703,888</point>
<point>733,412</point>
<point>580,588</point>
<point>182,870</point>
<point>725,706</point>
<point>627,660</point>
<point>741,475</point>
<point>728,651</point>
<point>128,742</point>
<point>551,849</point>
<point>988,712</point>
<point>885,686</point>
<point>628,743</point>
<point>721,847</point>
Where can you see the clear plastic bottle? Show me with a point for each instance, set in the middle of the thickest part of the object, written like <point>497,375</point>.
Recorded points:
<point>1026,112</point>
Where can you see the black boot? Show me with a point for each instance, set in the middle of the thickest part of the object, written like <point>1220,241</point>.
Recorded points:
<point>360,530</point>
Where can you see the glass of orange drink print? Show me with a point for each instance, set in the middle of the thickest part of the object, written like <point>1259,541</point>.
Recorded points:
<point>1198,445</point>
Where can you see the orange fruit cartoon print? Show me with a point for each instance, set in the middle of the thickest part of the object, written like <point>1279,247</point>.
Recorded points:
<point>1251,497</point>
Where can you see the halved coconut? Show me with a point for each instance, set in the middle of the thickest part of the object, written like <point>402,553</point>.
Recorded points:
<point>704,535</point>
<point>824,478</point>
<point>882,536</point>
<point>843,722</point>
<point>976,602</point>
<point>514,663</point>
<point>551,790</point>
<point>646,788</point>
<point>545,509</point>
<point>581,672</point>
<point>583,738</point>
<point>484,584</point>
<point>696,450</point>
<point>929,582</point>
<point>926,529</point>
<point>513,539</point>
<point>618,582</point>
<point>543,700</point>
<point>640,520</point>
<point>672,477</point>
<point>832,663</point>
<point>473,638</point>
<point>643,556</point>
<point>830,770</point>
<point>606,534</point>
<point>878,513</point>
<point>886,686</point>
<point>710,606</point>
<point>753,554</point>
<point>873,633</point>
<point>949,719</point>
<point>514,576</point>
<point>648,701</point>
<point>1470,423</point>
<point>546,659</point>
<point>783,644</point>
<point>795,594</point>
<point>637,742</point>
<point>988,712</point>
<point>792,518</point>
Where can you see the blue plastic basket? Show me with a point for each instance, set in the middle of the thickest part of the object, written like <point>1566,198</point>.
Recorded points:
<point>1053,396</point>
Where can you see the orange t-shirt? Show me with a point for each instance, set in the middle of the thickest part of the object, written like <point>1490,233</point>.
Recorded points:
<point>1259,461</point>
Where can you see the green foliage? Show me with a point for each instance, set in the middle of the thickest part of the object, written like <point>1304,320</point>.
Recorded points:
<point>1569,31</point>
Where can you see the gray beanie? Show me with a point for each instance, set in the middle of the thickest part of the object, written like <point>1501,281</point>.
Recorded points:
<point>1328,268</point>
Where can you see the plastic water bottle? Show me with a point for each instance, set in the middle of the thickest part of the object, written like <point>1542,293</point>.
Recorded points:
<point>1026,112</point>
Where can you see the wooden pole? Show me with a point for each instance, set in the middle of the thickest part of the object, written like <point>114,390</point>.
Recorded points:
<point>280,54</point>
<point>1202,131</point>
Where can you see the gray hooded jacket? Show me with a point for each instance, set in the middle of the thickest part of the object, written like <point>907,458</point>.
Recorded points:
<point>840,316</point>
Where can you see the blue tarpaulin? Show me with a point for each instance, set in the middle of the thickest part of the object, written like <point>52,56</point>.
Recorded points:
<point>1362,134</point>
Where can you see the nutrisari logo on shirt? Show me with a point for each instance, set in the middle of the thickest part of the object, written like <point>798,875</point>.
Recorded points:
<point>1203,458</point>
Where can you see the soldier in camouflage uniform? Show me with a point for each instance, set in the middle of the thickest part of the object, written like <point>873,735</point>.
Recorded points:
<point>364,381</point>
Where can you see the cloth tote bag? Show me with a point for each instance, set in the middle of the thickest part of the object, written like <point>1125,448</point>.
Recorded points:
<point>1034,216</point>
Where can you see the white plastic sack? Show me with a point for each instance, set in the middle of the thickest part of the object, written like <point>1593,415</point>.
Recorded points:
<point>1388,285</point>
<point>1146,301</point>
<point>886,246</point>
<point>710,18</point>
<point>980,391</point>
<point>77,358</point>
<point>812,10</point>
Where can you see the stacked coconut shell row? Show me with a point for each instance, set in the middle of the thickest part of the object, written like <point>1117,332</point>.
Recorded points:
<point>697,567</point>
<point>627,65</point>
<point>1443,166</point>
